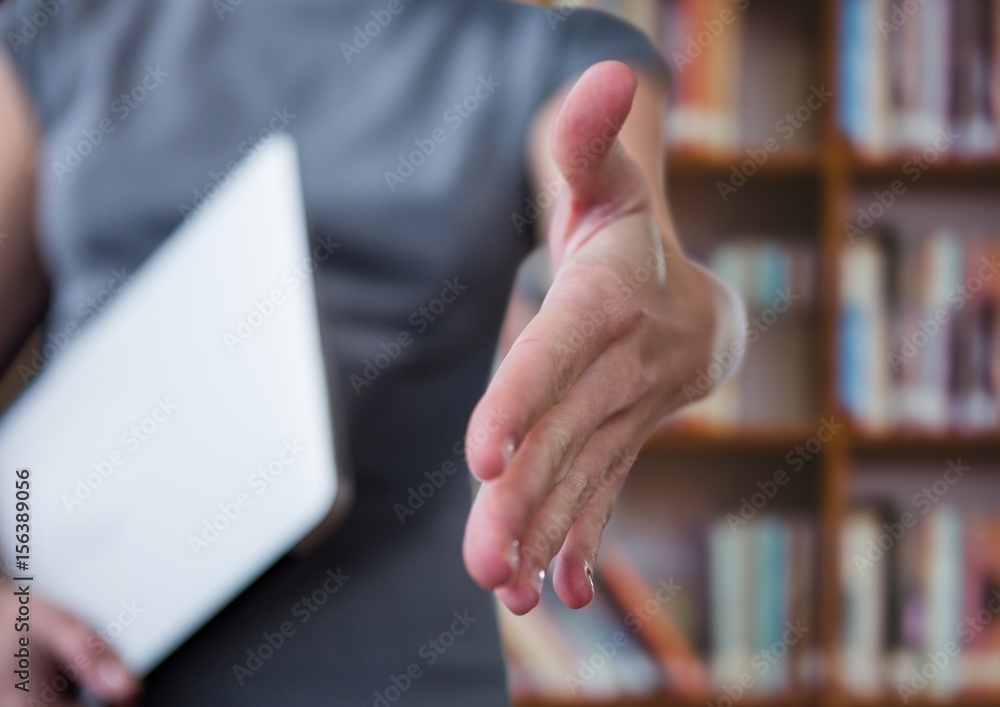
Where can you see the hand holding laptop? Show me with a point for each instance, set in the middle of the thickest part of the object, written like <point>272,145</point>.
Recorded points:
<point>144,437</point>
<point>62,648</point>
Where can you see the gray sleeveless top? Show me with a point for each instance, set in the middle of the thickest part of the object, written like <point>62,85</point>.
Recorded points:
<point>411,118</point>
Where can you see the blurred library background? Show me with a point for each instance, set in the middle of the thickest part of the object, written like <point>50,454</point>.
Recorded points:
<point>825,528</point>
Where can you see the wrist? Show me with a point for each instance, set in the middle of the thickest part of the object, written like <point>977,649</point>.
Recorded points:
<point>729,330</point>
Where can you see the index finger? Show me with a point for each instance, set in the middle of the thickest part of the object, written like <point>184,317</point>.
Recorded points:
<point>574,326</point>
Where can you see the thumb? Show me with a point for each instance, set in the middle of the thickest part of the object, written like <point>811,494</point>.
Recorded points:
<point>604,183</point>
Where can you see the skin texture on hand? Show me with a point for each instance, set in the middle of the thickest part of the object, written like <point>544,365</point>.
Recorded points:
<point>626,322</point>
<point>64,653</point>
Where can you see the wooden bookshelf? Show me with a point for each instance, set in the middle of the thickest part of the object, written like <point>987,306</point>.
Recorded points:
<point>960,700</point>
<point>910,443</point>
<point>973,168</point>
<point>672,701</point>
<point>720,440</point>
<point>793,163</point>
<point>839,171</point>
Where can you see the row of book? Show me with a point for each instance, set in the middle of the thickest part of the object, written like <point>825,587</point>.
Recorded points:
<point>919,344</point>
<point>921,590</point>
<point>763,586</point>
<point>596,652</point>
<point>915,74</point>
<point>911,74</point>
<point>701,41</point>
<point>739,616</point>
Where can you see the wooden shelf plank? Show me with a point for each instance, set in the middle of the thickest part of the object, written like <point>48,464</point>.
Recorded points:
<point>722,440</point>
<point>661,700</point>
<point>695,163</point>
<point>895,166</point>
<point>911,443</point>
<point>670,700</point>
<point>691,163</point>
<point>959,700</point>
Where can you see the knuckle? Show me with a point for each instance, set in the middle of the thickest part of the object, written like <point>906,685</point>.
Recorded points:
<point>586,551</point>
<point>626,316</point>
<point>580,490</point>
<point>605,518</point>
<point>614,468</point>
<point>559,442</point>
<point>561,363</point>
<point>637,382</point>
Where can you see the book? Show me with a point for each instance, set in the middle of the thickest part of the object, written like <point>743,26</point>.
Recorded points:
<point>918,343</point>
<point>776,279</point>
<point>863,381</point>
<point>862,580</point>
<point>909,74</point>
<point>653,623</point>
<point>730,604</point>
<point>921,601</point>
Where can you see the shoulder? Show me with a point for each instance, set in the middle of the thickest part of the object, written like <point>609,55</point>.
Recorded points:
<point>584,37</point>
<point>548,46</point>
<point>27,24</point>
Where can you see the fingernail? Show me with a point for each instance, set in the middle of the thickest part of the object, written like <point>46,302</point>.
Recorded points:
<point>588,572</point>
<point>507,450</point>
<point>512,555</point>
<point>114,675</point>
<point>536,580</point>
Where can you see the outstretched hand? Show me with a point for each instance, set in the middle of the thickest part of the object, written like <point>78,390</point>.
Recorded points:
<point>626,322</point>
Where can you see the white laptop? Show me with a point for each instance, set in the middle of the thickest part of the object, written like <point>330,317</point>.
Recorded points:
<point>183,443</point>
